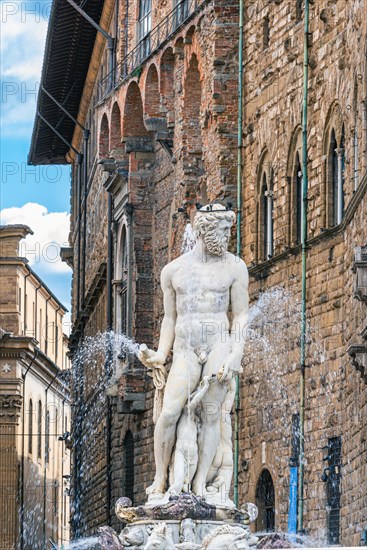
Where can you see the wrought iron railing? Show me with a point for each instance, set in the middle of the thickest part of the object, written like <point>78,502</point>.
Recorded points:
<point>181,13</point>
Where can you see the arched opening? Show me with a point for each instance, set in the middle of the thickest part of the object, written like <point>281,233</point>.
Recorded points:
<point>294,178</point>
<point>191,133</point>
<point>336,166</point>
<point>334,154</point>
<point>297,190</point>
<point>355,136</point>
<point>104,138</point>
<point>267,205</point>
<point>189,35</point>
<point>151,99</point>
<point>129,467</point>
<point>167,67</point>
<point>265,210</point>
<point>265,502</point>
<point>115,135</point>
<point>133,122</point>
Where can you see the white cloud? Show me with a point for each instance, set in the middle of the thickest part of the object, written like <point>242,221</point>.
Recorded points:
<point>50,229</point>
<point>23,35</point>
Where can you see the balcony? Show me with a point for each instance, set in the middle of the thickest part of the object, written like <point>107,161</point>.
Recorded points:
<point>149,45</point>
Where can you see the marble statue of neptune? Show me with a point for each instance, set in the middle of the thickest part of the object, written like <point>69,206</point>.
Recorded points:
<point>205,316</point>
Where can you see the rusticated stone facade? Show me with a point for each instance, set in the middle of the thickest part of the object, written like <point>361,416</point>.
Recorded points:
<point>335,392</point>
<point>164,136</point>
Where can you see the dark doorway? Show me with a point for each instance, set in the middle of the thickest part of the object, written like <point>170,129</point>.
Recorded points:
<point>265,501</point>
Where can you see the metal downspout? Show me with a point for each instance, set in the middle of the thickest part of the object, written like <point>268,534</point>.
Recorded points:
<point>304,266</point>
<point>239,220</point>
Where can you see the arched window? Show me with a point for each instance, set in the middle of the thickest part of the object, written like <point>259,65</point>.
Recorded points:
<point>267,215</point>
<point>39,430</point>
<point>298,191</point>
<point>30,427</point>
<point>265,501</point>
<point>265,210</point>
<point>124,282</point>
<point>129,473</point>
<point>104,138</point>
<point>355,136</point>
<point>334,166</point>
<point>336,174</point>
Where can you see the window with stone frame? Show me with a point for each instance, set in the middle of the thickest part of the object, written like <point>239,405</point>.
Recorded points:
<point>30,427</point>
<point>265,210</point>
<point>267,215</point>
<point>47,437</point>
<point>336,168</point>
<point>298,193</point>
<point>124,282</point>
<point>39,430</point>
<point>333,489</point>
<point>355,137</point>
<point>144,27</point>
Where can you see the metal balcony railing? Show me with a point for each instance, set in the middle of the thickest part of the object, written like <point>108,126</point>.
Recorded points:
<point>163,32</point>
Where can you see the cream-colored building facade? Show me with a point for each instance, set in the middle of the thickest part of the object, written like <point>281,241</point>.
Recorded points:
<point>34,405</point>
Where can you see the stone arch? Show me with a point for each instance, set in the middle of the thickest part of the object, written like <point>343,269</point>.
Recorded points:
<point>115,132</point>
<point>294,184</point>
<point>104,138</point>
<point>152,98</point>
<point>265,502</point>
<point>333,144</point>
<point>167,67</point>
<point>189,35</point>
<point>133,122</point>
<point>191,136</point>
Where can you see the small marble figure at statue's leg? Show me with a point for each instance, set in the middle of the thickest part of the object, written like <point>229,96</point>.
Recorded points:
<point>221,471</point>
<point>209,437</point>
<point>182,379</point>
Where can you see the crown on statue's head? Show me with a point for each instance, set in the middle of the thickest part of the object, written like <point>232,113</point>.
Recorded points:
<point>214,207</point>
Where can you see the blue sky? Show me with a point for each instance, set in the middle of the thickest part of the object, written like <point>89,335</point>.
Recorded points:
<point>36,196</point>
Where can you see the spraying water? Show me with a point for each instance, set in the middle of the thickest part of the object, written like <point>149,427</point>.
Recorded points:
<point>189,239</point>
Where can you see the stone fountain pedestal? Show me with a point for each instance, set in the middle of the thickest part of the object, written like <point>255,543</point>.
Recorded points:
<point>184,522</point>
